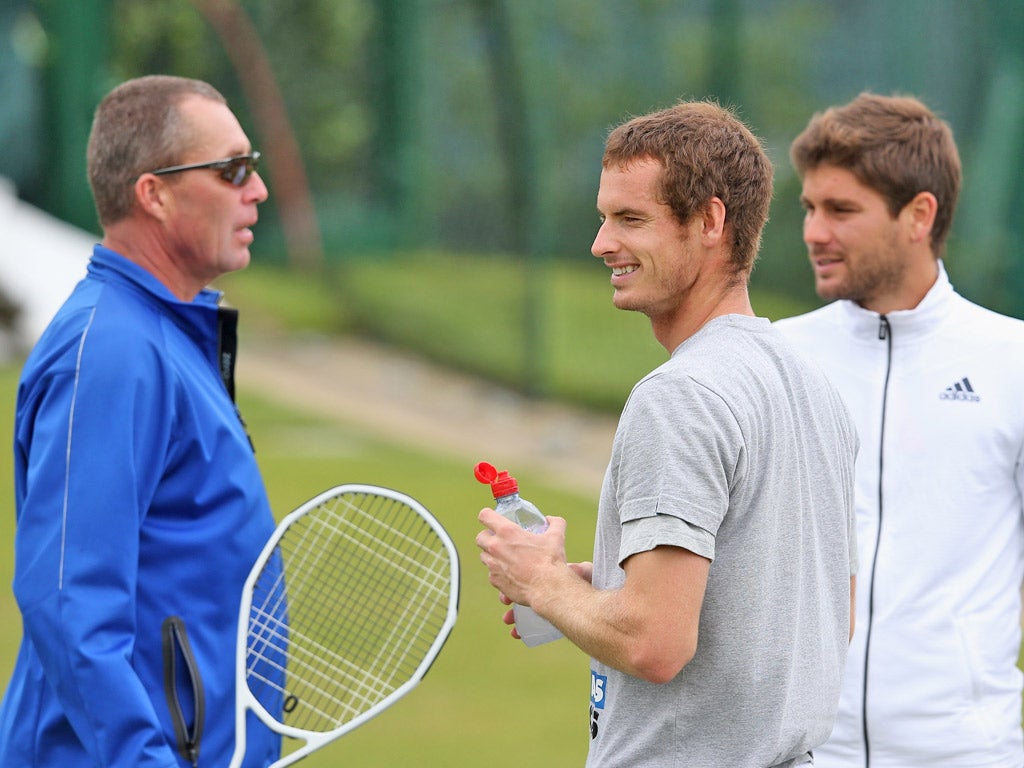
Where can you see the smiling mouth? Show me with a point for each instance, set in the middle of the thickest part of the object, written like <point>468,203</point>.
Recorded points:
<point>616,271</point>
<point>825,262</point>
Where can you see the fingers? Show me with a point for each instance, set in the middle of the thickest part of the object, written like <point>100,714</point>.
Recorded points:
<point>556,525</point>
<point>584,570</point>
<point>491,519</point>
<point>510,619</point>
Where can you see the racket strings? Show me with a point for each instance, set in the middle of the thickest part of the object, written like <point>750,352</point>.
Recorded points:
<point>346,610</point>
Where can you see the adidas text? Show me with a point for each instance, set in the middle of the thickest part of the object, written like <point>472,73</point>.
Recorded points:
<point>967,397</point>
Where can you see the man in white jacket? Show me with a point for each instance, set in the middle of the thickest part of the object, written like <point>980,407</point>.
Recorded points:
<point>936,387</point>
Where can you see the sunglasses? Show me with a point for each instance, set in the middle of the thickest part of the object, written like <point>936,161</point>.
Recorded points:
<point>234,170</point>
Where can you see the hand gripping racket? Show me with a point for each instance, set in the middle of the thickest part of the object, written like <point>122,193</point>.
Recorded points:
<point>343,613</point>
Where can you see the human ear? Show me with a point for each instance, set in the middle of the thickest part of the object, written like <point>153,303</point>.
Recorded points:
<point>151,195</point>
<point>713,221</point>
<point>920,213</point>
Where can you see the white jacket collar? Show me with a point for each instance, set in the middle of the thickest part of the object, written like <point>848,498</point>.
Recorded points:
<point>906,324</point>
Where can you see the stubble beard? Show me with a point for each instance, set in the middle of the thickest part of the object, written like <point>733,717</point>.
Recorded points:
<point>880,274</point>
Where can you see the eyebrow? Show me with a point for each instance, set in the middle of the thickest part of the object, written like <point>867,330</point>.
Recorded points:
<point>831,201</point>
<point>626,211</point>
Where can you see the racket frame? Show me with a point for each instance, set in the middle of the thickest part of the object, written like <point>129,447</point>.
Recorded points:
<point>246,702</point>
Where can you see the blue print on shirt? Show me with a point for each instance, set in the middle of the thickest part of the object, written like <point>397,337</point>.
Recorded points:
<point>598,691</point>
<point>598,685</point>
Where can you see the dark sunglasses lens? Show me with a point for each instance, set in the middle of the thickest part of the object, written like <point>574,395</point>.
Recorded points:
<point>239,170</point>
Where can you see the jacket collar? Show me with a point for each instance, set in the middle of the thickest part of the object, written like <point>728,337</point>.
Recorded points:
<point>116,266</point>
<point>906,324</point>
<point>211,327</point>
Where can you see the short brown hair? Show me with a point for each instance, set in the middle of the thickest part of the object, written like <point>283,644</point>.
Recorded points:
<point>706,152</point>
<point>137,128</point>
<point>893,144</point>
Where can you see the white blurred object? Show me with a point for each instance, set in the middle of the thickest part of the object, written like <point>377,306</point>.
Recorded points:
<point>41,260</point>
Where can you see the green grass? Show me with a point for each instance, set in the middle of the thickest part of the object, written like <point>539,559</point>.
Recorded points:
<point>488,699</point>
<point>485,690</point>
<point>548,329</point>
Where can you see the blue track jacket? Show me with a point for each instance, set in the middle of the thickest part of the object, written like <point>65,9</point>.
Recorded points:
<point>138,498</point>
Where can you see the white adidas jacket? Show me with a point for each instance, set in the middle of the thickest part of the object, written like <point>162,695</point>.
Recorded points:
<point>937,394</point>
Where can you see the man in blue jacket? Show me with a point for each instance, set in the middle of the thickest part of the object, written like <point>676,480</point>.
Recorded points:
<point>140,506</point>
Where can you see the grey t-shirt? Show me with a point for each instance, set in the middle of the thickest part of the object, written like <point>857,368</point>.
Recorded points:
<point>738,450</point>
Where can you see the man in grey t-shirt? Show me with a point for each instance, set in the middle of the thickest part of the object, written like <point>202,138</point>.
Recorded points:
<point>717,608</point>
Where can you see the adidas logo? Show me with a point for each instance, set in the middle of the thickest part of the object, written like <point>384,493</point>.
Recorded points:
<point>960,390</point>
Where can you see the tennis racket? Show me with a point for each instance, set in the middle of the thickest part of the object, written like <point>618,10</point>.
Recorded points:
<point>343,613</point>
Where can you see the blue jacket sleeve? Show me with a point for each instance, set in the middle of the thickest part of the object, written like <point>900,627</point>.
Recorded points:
<point>89,445</point>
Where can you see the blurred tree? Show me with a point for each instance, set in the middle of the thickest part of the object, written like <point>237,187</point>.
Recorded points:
<point>725,55</point>
<point>252,67</point>
<point>989,224</point>
<point>512,110</point>
<point>75,77</point>
<point>436,123</point>
<point>517,140</point>
<point>22,57</point>
<point>396,143</point>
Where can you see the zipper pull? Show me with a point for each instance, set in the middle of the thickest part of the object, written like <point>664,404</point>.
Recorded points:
<point>883,327</point>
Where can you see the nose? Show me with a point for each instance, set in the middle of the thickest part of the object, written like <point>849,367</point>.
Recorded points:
<point>603,241</point>
<point>255,189</point>
<point>815,228</point>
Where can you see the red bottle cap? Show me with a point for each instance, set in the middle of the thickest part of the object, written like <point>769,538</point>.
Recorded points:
<point>501,483</point>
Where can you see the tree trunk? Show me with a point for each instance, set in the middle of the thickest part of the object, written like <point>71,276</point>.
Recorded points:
<point>291,189</point>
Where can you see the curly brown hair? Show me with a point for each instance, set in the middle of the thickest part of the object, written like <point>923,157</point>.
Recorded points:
<point>706,152</point>
<point>893,144</point>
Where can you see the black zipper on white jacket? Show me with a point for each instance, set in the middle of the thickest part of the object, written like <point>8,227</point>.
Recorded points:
<point>884,334</point>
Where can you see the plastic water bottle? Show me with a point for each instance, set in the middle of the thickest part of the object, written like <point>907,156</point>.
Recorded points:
<point>533,629</point>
